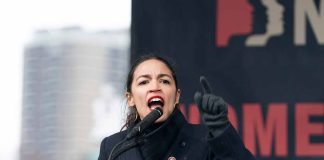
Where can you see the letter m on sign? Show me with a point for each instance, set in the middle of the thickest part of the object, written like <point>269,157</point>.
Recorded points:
<point>262,132</point>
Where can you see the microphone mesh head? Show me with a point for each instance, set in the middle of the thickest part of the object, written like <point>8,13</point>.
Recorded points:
<point>159,110</point>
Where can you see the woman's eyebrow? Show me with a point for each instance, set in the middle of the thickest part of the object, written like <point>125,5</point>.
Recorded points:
<point>143,76</point>
<point>149,76</point>
<point>164,75</point>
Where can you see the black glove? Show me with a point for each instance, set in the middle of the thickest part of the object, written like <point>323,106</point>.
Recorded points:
<point>213,109</point>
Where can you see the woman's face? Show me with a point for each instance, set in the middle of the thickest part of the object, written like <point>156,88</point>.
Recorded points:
<point>153,86</point>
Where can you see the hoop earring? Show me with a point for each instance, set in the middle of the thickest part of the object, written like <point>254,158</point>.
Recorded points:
<point>136,116</point>
<point>135,112</point>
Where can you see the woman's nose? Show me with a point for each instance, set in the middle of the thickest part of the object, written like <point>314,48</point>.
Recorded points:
<point>155,86</point>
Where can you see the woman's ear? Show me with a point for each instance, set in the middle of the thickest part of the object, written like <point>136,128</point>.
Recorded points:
<point>130,99</point>
<point>178,96</point>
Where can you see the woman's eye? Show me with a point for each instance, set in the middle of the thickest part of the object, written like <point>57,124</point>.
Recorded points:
<point>143,82</point>
<point>165,81</point>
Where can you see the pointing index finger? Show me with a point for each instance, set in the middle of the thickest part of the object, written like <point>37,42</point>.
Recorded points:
<point>205,85</point>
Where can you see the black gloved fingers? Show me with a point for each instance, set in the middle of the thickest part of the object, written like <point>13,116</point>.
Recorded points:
<point>198,99</point>
<point>205,103</point>
<point>222,106</point>
<point>205,85</point>
<point>218,117</point>
<point>212,104</point>
<point>214,121</point>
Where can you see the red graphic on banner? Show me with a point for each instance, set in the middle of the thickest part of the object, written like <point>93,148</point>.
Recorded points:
<point>305,129</point>
<point>232,20</point>
<point>265,134</point>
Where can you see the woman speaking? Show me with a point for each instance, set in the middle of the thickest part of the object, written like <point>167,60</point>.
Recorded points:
<point>157,130</point>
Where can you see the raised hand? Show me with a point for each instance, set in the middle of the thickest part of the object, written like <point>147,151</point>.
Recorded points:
<point>213,109</point>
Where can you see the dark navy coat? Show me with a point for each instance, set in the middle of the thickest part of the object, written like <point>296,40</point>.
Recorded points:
<point>178,139</point>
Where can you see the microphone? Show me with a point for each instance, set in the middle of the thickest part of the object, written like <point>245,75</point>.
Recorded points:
<point>148,120</point>
<point>136,130</point>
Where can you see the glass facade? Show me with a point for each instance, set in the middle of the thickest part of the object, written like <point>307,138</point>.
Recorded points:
<point>66,76</point>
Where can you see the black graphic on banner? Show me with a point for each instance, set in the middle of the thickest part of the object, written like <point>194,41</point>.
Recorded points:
<point>264,57</point>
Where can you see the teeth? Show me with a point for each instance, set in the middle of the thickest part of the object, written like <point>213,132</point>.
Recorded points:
<point>156,100</point>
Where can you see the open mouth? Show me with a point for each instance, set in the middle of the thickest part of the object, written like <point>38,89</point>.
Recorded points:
<point>155,101</point>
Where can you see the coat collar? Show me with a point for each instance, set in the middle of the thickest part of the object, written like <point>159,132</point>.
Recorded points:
<point>160,137</point>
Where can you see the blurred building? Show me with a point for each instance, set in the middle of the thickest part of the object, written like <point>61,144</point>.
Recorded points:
<point>66,73</point>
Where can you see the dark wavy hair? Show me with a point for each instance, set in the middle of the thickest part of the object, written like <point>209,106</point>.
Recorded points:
<point>132,115</point>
